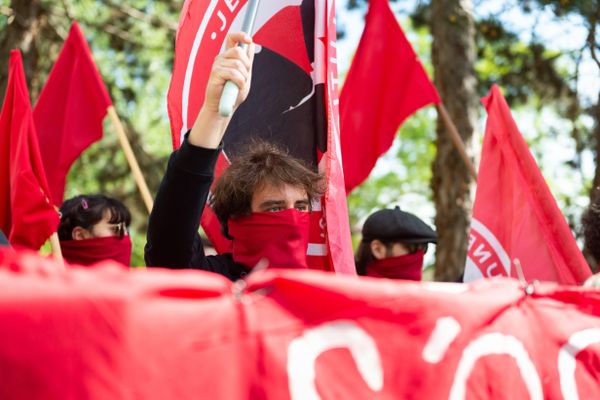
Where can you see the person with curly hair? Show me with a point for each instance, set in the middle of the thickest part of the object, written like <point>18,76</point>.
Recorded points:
<point>262,200</point>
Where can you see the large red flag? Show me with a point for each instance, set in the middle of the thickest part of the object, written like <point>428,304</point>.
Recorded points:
<point>385,84</point>
<point>27,215</point>
<point>69,112</point>
<point>515,215</point>
<point>293,102</point>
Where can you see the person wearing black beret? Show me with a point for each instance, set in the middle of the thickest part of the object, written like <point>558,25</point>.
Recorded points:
<point>393,245</point>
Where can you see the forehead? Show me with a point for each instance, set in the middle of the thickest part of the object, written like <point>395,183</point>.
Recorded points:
<point>284,191</point>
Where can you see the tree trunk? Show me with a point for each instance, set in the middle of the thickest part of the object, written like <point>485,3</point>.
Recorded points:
<point>24,24</point>
<point>595,190</point>
<point>453,55</point>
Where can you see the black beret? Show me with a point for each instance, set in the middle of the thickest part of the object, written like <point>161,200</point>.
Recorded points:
<point>397,225</point>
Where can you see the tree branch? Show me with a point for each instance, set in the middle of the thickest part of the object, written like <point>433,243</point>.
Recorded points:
<point>141,16</point>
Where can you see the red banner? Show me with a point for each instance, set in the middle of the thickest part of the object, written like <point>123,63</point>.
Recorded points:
<point>156,334</point>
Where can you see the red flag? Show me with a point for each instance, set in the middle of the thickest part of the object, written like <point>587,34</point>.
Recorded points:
<point>385,84</point>
<point>26,212</point>
<point>69,112</point>
<point>293,102</point>
<point>160,334</point>
<point>515,215</point>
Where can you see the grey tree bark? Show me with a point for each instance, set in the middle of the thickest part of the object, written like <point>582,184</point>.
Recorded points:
<point>453,55</point>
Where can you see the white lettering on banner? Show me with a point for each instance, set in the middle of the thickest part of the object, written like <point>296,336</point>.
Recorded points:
<point>495,343</point>
<point>472,239</point>
<point>482,254</point>
<point>567,362</point>
<point>221,17</point>
<point>485,252</point>
<point>304,350</point>
<point>232,4</point>
<point>316,250</point>
<point>445,331</point>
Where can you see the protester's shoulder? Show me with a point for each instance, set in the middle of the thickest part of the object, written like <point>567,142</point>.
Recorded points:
<point>223,264</point>
<point>195,159</point>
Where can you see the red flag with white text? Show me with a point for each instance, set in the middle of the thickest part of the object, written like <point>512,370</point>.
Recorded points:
<point>293,102</point>
<point>27,215</point>
<point>114,333</point>
<point>515,215</point>
<point>69,112</point>
<point>386,83</point>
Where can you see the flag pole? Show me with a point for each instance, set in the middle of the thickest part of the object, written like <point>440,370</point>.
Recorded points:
<point>56,251</point>
<point>456,139</point>
<point>133,164</point>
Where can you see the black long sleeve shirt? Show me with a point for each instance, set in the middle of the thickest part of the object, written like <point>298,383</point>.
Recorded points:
<point>173,240</point>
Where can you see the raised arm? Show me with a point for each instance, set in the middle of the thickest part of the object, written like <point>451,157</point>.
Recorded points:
<point>173,239</point>
<point>235,65</point>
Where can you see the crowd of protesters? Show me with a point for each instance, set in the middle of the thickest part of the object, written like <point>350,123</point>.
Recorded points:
<point>262,201</point>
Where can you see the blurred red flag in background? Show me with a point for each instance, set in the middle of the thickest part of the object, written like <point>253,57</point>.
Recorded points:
<point>385,84</point>
<point>70,110</point>
<point>27,215</point>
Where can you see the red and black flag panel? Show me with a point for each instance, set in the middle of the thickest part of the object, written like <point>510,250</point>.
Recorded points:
<point>293,101</point>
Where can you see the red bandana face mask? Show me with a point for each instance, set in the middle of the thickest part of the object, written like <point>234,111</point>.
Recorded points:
<point>91,251</point>
<point>279,237</point>
<point>408,266</point>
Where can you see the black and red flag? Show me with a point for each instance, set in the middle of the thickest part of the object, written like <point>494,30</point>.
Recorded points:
<point>293,102</point>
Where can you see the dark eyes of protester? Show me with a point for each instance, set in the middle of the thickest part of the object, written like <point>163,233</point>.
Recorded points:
<point>300,207</point>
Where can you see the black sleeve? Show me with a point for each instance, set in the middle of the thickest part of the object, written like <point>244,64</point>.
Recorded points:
<point>173,240</point>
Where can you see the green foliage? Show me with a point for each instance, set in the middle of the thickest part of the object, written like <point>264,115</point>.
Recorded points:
<point>402,176</point>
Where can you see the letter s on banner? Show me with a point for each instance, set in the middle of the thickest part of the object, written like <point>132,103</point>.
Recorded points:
<point>304,350</point>
<point>567,363</point>
<point>496,343</point>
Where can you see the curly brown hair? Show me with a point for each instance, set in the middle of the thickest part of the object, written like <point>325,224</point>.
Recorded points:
<point>263,163</point>
<point>591,226</point>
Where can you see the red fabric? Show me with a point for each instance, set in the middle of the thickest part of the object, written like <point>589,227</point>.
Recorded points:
<point>112,333</point>
<point>515,215</point>
<point>203,26</point>
<point>92,251</point>
<point>386,83</point>
<point>279,237</point>
<point>336,220</point>
<point>27,216</point>
<point>408,266</point>
<point>70,110</point>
